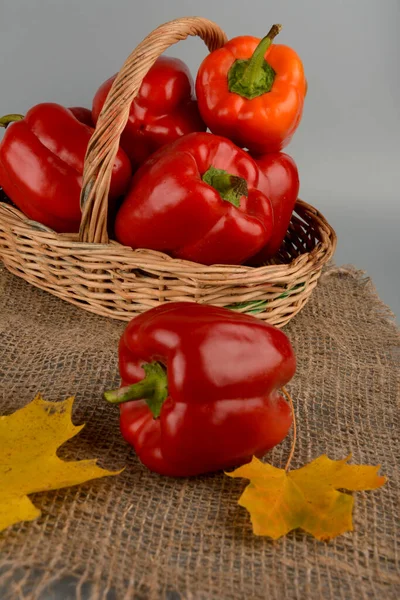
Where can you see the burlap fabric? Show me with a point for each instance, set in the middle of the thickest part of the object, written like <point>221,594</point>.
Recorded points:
<point>141,536</point>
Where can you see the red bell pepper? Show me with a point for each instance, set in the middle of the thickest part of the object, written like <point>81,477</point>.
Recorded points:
<point>164,109</point>
<point>84,115</point>
<point>197,199</point>
<point>200,388</point>
<point>281,184</point>
<point>41,165</point>
<point>252,92</point>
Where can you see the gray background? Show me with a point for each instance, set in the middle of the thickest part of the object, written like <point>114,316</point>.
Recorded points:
<point>347,145</point>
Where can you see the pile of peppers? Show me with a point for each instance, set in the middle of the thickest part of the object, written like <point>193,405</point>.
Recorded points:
<point>199,175</point>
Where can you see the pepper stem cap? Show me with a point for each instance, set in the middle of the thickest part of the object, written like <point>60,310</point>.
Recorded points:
<point>153,389</point>
<point>230,187</point>
<point>253,77</point>
<point>7,119</point>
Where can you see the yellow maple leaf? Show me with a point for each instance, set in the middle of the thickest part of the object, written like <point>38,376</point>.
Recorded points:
<point>279,500</point>
<point>29,439</point>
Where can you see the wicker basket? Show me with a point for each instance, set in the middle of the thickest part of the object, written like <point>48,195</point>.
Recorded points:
<point>109,279</point>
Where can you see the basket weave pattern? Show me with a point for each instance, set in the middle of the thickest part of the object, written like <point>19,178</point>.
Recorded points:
<point>109,279</point>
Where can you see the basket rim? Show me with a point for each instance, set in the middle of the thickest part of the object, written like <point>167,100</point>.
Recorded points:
<point>158,261</point>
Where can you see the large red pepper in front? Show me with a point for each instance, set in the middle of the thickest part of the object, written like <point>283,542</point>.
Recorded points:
<point>164,109</point>
<point>41,165</point>
<point>200,388</point>
<point>252,92</point>
<point>197,199</point>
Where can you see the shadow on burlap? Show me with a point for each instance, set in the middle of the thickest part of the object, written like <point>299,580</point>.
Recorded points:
<point>141,536</point>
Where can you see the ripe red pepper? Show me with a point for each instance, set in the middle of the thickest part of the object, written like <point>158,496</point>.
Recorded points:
<point>197,199</point>
<point>281,185</point>
<point>41,165</point>
<point>252,92</point>
<point>84,115</point>
<point>200,388</point>
<point>164,109</point>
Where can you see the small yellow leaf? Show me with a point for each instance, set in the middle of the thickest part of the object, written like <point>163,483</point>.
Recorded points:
<point>307,498</point>
<point>29,440</point>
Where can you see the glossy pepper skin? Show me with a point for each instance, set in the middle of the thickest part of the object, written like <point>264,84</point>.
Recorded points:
<point>84,115</point>
<point>281,184</point>
<point>164,109</point>
<point>220,376</point>
<point>197,199</point>
<point>259,109</point>
<point>41,166</point>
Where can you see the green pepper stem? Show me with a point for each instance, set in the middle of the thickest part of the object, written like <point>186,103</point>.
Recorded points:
<point>7,119</point>
<point>253,69</point>
<point>254,77</point>
<point>230,187</point>
<point>153,389</point>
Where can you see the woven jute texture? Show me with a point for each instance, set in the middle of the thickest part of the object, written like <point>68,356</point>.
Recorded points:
<point>143,537</point>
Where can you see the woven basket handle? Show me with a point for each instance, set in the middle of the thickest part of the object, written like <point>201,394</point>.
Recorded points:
<point>104,143</point>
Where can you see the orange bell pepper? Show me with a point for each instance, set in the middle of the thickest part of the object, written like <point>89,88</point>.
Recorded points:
<point>252,92</point>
